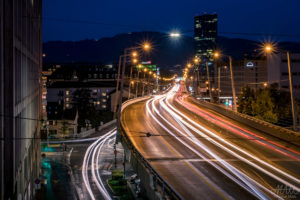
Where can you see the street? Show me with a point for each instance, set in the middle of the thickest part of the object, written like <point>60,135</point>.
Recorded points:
<point>203,154</point>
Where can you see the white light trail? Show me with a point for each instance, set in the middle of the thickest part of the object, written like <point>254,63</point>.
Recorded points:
<point>93,152</point>
<point>177,115</point>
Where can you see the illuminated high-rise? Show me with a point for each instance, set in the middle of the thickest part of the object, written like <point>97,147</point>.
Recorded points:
<point>205,35</point>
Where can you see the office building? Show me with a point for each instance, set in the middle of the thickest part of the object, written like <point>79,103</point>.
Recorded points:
<point>278,68</point>
<point>20,97</point>
<point>205,36</point>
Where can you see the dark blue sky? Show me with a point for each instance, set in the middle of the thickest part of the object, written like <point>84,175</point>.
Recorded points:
<point>93,19</point>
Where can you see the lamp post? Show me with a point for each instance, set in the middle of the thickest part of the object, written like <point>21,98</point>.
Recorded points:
<point>217,55</point>
<point>146,46</point>
<point>144,79</point>
<point>137,82</point>
<point>269,48</point>
<point>134,60</point>
<point>118,82</point>
<point>149,77</point>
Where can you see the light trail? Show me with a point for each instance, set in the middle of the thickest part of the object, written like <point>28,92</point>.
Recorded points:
<point>238,130</point>
<point>186,123</point>
<point>238,149</point>
<point>92,154</point>
<point>245,183</point>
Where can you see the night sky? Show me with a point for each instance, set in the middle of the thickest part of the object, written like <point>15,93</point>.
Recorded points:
<point>93,19</point>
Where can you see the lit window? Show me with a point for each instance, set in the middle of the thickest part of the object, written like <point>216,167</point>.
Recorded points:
<point>104,100</point>
<point>67,105</point>
<point>103,106</point>
<point>67,92</point>
<point>67,99</point>
<point>98,102</point>
<point>104,94</point>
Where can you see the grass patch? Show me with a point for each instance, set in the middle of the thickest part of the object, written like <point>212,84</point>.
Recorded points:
<point>119,185</point>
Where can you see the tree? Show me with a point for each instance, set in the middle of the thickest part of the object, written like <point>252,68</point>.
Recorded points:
<point>263,107</point>
<point>245,100</point>
<point>64,127</point>
<point>86,110</point>
<point>82,101</point>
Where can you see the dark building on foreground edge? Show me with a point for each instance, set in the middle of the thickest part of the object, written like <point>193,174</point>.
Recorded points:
<point>20,99</point>
<point>205,35</point>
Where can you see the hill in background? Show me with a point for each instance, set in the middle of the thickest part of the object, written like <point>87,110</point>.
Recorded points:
<point>167,52</point>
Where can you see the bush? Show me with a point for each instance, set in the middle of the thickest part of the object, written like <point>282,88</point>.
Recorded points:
<point>117,174</point>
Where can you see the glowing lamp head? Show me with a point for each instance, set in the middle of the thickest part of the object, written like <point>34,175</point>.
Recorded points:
<point>134,54</point>
<point>268,48</point>
<point>146,46</point>
<point>175,35</point>
<point>216,54</point>
<point>134,60</point>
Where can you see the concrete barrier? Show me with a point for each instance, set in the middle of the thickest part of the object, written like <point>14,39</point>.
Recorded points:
<point>268,128</point>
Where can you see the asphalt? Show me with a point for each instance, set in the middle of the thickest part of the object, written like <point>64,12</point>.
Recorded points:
<point>197,178</point>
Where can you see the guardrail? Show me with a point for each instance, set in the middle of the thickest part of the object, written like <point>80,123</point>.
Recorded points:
<point>159,183</point>
<point>271,129</point>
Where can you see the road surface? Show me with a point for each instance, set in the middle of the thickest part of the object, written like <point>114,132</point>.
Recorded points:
<point>204,155</point>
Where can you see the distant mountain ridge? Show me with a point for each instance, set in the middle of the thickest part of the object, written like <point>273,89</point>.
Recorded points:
<point>166,51</point>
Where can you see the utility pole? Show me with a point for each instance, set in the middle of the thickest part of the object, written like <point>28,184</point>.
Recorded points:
<point>121,92</point>
<point>117,86</point>
<point>124,164</point>
<point>129,89</point>
<point>232,85</point>
<point>198,79</point>
<point>209,87</point>
<point>292,93</point>
<point>143,92</point>
<point>219,83</point>
<point>137,84</point>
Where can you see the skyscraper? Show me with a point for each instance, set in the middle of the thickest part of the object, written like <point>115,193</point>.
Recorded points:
<point>20,97</point>
<point>205,35</point>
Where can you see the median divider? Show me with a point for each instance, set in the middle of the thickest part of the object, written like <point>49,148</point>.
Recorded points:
<point>268,128</point>
<point>155,185</point>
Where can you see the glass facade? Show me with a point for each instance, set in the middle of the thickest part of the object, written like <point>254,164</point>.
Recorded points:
<point>205,36</point>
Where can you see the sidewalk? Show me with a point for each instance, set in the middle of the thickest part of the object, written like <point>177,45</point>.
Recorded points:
<point>58,184</point>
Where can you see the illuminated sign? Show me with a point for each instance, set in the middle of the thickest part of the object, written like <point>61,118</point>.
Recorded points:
<point>250,64</point>
<point>146,62</point>
<point>149,67</point>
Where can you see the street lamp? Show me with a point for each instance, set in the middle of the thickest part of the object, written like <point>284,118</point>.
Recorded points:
<point>146,46</point>
<point>149,77</point>
<point>143,92</point>
<point>137,82</point>
<point>269,48</point>
<point>175,34</point>
<point>135,60</point>
<point>217,55</point>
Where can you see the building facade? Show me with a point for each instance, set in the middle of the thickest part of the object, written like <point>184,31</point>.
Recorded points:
<point>205,36</point>
<point>278,68</point>
<point>20,97</point>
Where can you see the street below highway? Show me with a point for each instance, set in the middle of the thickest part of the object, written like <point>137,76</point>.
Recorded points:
<point>204,155</point>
